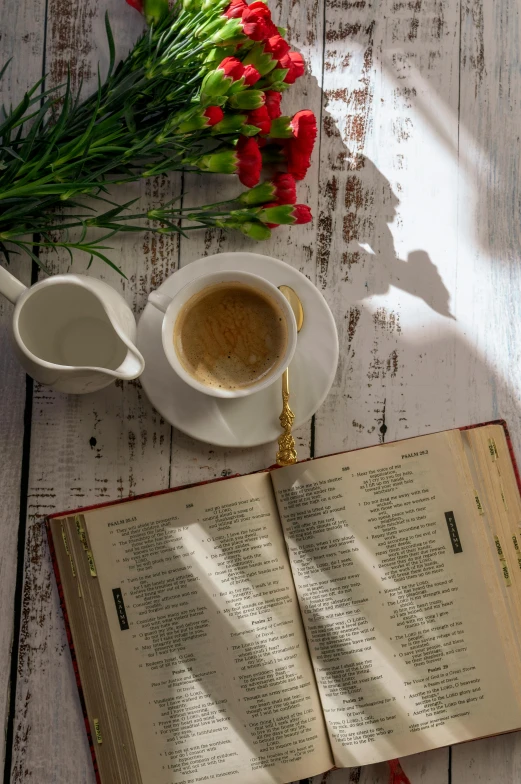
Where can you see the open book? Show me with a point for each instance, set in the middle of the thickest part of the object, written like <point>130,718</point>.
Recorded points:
<point>341,611</point>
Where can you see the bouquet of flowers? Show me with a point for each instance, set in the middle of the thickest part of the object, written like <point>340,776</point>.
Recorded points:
<point>200,91</point>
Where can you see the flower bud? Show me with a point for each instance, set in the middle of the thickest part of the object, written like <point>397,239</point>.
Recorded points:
<point>251,75</point>
<point>263,61</point>
<point>213,5</point>
<point>277,75</point>
<point>248,99</point>
<point>211,28</point>
<point>230,32</point>
<point>155,11</point>
<point>215,56</point>
<point>260,194</point>
<point>281,128</point>
<point>278,87</point>
<point>249,130</point>
<point>286,214</point>
<point>231,123</point>
<point>254,230</point>
<point>220,81</point>
<point>223,161</point>
<point>215,83</point>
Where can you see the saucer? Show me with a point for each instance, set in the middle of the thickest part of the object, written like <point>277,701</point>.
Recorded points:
<point>252,420</point>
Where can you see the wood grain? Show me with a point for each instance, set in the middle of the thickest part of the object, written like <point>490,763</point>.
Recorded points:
<point>387,222</point>
<point>84,449</point>
<point>415,192</point>
<point>488,268</point>
<point>386,230</point>
<point>24,43</point>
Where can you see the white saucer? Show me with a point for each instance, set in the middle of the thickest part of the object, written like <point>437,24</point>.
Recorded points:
<point>251,420</point>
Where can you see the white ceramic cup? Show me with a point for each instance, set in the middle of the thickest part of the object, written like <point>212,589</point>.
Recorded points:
<point>171,307</point>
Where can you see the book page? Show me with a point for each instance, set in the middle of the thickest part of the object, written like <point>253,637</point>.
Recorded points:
<point>208,637</point>
<point>401,629</point>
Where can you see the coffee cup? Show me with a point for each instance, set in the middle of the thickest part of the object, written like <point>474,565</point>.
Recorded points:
<point>227,334</point>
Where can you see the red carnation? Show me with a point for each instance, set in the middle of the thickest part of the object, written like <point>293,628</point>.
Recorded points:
<point>277,46</point>
<point>214,114</point>
<point>302,213</point>
<point>249,161</point>
<point>256,22</point>
<point>304,126</point>
<point>251,75</point>
<point>261,7</point>
<point>300,147</point>
<point>285,188</point>
<point>236,9</point>
<point>218,82</point>
<point>264,12</point>
<point>137,4</point>
<point>296,67</point>
<point>280,190</point>
<point>273,100</point>
<point>232,67</point>
<point>254,26</point>
<point>272,215</point>
<point>261,119</point>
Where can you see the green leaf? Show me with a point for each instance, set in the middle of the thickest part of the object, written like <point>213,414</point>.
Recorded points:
<point>27,249</point>
<point>4,68</point>
<point>112,48</point>
<point>99,255</point>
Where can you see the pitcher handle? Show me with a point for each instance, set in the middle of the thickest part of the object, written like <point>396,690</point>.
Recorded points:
<point>159,301</point>
<point>10,286</point>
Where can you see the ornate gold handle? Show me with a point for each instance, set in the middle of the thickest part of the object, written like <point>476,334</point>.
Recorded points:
<point>287,454</point>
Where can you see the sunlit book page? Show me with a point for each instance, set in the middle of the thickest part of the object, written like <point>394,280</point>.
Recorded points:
<point>404,641</point>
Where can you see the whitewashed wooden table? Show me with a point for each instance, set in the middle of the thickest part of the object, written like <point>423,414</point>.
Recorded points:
<point>416,194</point>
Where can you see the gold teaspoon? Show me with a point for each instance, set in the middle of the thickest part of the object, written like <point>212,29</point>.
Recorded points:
<point>287,454</point>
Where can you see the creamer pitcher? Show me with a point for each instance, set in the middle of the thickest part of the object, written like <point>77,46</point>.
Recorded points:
<point>73,332</point>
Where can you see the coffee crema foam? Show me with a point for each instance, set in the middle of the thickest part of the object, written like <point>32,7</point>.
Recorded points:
<point>230,335</point>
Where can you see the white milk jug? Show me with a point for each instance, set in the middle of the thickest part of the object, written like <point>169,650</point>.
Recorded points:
<point>73,332</point>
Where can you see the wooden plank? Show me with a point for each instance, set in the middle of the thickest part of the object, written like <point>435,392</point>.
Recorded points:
<point>489,230</point>
<point>491,760</point>
<point>25,23</point>
<point>387,228</point>
<point>84,449</point>
<point>488,269</point>
<point>388,217</point>
<point>193,461</point>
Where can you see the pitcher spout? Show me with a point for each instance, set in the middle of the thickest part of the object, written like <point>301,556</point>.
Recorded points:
<point>131,367</point>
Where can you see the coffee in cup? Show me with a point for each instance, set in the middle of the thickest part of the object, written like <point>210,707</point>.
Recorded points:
<point>227,333</point>
<point>230,336</point>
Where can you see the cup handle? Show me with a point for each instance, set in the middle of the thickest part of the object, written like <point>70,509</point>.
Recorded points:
<point>159,301</point>
<point>10,286</point>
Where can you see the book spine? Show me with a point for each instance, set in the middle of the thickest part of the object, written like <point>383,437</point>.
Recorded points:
<point>70,643</point>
